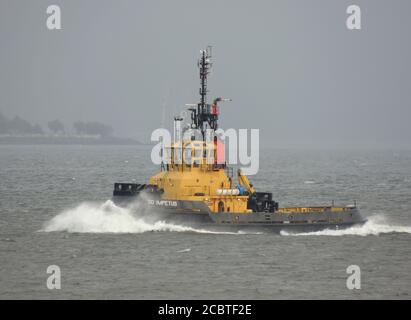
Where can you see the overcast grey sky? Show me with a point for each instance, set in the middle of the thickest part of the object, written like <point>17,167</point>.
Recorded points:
<point>292,68</point>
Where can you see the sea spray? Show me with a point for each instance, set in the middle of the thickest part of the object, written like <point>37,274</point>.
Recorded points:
<point>89,217</point>
<point>375,225</point>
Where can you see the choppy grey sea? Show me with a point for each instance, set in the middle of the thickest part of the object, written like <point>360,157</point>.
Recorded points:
<point>55,209</point>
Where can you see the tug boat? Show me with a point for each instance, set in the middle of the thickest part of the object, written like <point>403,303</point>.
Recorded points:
<point>193,187</point>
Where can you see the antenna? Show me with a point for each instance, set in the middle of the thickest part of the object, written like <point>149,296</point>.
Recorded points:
<point>205,65</point>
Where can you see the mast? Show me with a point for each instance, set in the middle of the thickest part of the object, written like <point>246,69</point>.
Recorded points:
<point>205,66</point>
<point>201,117</point>
<point>204,115</point>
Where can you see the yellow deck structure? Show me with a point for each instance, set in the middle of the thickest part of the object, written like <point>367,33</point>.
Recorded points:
<point>192,174</point>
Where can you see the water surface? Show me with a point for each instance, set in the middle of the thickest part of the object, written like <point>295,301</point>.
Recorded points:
<point>55,210</point>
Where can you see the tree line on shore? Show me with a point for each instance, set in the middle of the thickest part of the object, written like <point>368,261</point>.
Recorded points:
<point>20,126</point>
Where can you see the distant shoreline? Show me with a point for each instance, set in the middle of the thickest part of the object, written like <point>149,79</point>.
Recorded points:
<point>66,140</point>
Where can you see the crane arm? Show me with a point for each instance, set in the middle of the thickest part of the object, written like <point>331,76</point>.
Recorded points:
<point>243,180</point>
